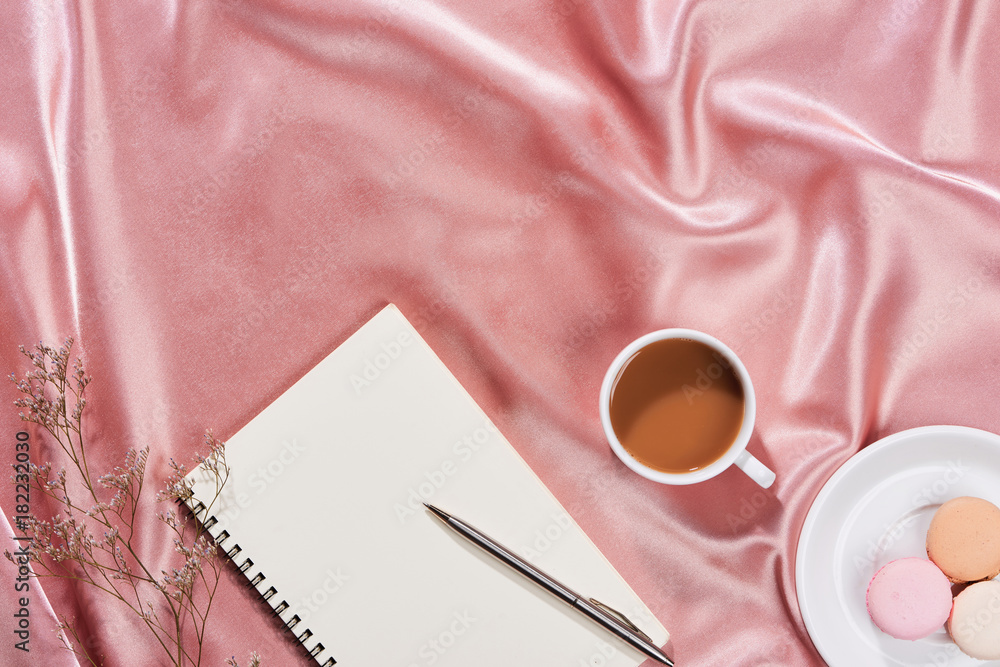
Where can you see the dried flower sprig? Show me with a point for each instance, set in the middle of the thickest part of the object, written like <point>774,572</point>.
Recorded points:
<point>91,539</point>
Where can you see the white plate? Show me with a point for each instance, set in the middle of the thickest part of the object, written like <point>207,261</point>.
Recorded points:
<point>874,509</point>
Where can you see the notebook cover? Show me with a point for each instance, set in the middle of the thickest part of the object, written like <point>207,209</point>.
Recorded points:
<point>325,500</point>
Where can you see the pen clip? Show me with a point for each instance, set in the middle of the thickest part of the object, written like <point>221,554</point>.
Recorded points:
<point>617,615</point>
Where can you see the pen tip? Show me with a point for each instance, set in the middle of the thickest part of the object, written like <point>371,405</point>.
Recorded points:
<point>441,514</point>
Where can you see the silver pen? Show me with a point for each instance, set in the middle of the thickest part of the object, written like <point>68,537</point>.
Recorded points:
<point>600,613</point>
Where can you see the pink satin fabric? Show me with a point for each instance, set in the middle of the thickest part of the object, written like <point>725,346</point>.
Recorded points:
<point>210,196</point>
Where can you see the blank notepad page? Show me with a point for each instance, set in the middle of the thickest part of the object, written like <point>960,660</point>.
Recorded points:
<point>325,498</point>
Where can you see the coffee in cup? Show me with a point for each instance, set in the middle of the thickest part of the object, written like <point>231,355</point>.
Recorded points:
<point>678,407</point>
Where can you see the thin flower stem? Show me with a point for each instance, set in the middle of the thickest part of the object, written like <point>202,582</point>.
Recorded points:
<point>65,546</point>
<point>208,607</point>
<point>66,625</point>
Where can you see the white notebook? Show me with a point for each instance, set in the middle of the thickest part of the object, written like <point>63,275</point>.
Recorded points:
<point>325,504</point>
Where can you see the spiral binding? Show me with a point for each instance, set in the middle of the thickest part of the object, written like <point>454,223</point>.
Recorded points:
<point>257,580</point>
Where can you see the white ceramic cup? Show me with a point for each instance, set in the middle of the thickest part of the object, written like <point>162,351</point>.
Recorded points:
<point>737,452</point>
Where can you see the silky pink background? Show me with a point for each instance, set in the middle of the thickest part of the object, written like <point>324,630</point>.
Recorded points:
<point>210,196</point>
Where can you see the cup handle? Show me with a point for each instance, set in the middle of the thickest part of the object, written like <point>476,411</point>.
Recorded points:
<point>754,469</point>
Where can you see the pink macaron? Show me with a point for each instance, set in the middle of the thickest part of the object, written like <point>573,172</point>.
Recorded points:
<point>909,598</point>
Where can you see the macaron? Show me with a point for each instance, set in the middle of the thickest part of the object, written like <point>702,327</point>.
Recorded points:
<point>964,539</point>
<point>975,620</point>
<point>909,598</point>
